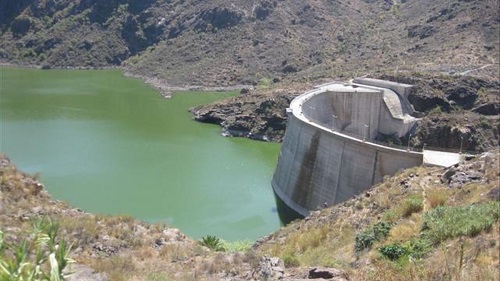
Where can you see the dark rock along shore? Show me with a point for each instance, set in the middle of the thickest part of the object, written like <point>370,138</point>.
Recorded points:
<point>448,106</point>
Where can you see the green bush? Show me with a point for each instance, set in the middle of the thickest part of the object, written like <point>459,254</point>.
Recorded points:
<point>237,246</point>
<point>381,230</point>
<point>443,222</point>
<point>436,110</point>
<point>393,251</point>
<point>212,242</point>
<point>484,123</point>
<point>412,205</point>
<point>365,239</point>
<point>291,261</point>
<point>415,248</point>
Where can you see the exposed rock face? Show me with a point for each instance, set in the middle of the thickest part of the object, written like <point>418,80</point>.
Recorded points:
<point>217,19</point>
<point>257,117</point>
<point>467,131</point>
<point>328,273</point>
<point>457,176</point>
<point>85,273</point>
<point>459,111</point>
<point>421,31</point>
<point>444,102</point>
<point>488,109</point>
<point>269,269</point>
<point>449,92</point>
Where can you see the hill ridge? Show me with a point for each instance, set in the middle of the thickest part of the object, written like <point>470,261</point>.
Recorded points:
<point>220,43</point>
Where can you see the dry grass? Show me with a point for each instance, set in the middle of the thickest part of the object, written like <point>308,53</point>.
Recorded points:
<point>465,259</point>
<point>399,200</point>
<point>460,259</point>
<point>405,230</point>
<point>118,268</point>
<point>84,230</point>
<point>436,197</point>
<point>174,253</point>
<point>301,242</point>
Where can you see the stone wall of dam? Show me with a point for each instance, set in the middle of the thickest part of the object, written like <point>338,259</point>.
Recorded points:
<point>329,152</point>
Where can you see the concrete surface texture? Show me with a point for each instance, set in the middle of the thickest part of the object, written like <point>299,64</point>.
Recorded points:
<point>440,158</point>
<point>328,153</point>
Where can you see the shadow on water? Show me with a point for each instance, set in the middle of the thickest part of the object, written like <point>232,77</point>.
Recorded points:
<point>285,213</point>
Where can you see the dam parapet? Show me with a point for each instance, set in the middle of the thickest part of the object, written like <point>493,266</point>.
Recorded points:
<point>329,152</point>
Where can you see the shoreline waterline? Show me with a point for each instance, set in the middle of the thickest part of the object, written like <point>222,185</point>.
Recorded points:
<point>82,127</point>
<point>159,84</point>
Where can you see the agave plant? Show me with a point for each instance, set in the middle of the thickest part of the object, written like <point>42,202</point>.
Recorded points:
<point>212,242</point>
<point>40,257</point>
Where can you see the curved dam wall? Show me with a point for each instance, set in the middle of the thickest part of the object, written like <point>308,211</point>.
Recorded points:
<point>327,155</point>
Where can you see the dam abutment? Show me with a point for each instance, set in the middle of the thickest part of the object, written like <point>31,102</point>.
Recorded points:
<point>329,154</point>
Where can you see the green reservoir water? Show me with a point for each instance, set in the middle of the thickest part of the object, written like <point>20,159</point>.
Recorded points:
<point>111,145</point>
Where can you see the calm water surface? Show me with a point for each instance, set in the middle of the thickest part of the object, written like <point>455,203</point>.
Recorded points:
<point>112,145</point>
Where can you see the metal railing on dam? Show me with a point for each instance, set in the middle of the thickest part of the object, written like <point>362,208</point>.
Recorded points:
<point>329,152</point>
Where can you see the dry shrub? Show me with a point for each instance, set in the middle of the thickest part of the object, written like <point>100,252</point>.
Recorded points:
<point>220,263</point>
<point>84,230</point>
<point>311,238</point>
<point>119,227</point>
<point>117,268</point>
<point>145,253</point>
<point>436,197</point>
<point>404,231</point>
<point>174,252</point>
<point>390,216</point>
<point>359,205</point>
<point>251,258</point>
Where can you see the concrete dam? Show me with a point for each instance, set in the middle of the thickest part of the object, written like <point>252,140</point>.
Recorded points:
<point>329,152</point>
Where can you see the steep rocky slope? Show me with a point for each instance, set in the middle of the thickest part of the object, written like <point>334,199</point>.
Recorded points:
<point>421,224</point>
<point>245,42</point>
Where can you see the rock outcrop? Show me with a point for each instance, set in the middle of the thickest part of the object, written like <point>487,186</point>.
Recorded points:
<point>449,117</point>
<point>259,117</point>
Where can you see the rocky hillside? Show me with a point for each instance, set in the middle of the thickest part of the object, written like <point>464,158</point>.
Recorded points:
<point>455,110</point>
<point>421,224</point>
<point>221,43</point>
